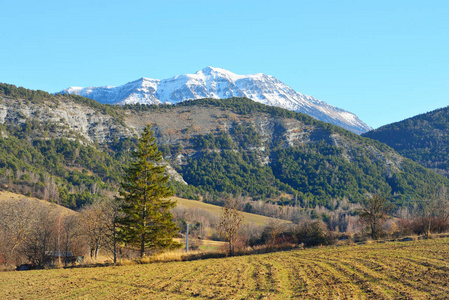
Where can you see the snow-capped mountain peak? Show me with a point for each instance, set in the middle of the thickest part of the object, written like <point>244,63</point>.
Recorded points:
<point>211,70</point>
<point>219,83</point>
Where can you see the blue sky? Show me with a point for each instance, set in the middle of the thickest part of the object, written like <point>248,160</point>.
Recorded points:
<point>382,60</point>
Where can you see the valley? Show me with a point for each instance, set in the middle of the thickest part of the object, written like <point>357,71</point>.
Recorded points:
<point>224,150</point>
<point>296,181</point>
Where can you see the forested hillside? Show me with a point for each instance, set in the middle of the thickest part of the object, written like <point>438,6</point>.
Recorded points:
<point>71,150</point>
<point>423,138</point>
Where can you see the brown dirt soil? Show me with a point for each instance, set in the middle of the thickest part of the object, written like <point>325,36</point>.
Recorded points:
<point>396,270</point>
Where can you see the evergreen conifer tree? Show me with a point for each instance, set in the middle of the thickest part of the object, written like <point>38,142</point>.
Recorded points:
<point>147,222</point>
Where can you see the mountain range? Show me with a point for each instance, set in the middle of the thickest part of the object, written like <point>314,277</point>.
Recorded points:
<point>72,149</point>
<point>219,83</point>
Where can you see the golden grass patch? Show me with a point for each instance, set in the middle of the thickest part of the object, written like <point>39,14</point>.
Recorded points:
<point>216,210</point>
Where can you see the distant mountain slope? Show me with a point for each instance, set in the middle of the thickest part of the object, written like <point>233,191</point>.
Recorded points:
<point>6,196</point>
<point>71,149</point>
<point>423,138</point>
<point>215,210</point>
<point>221,84</point>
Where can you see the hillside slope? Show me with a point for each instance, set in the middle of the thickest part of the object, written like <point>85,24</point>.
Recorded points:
<point>216,211</point>
<point>72,149</point>
<point>423,138</point>
<point>6,196</point>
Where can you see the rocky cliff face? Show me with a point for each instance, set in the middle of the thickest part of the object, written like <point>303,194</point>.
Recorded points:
<point>177,125</point>
<point>71,119</point>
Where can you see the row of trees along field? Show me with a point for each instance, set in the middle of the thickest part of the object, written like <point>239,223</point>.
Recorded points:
<point>142,220</point>
<point>42,234</point>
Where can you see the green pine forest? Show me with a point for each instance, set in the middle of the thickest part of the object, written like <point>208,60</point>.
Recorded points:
<point>423,138</point>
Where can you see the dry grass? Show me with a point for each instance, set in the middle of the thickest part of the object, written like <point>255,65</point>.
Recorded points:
<point>8,196</point>
<point>178,255</point>
<point>204,244</point>
<point>395,270</point>
<point>248,218</point>
<point>214,209</point>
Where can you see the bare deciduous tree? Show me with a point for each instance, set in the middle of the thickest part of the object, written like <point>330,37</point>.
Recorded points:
<point>100,226</point>
<point>230,222</point>
<point>374,213</point>
<point>435,208</point>
<point>16,224</point>
<point>110,215</point>
<point>443,204</point>
<point>33,231</point>
<point>72,226</point>
<point>274,228</point>
<point>41,238</point>
<point>93,227</point>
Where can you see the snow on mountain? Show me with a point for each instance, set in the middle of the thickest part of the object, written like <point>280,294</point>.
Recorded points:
<point>219,83</point>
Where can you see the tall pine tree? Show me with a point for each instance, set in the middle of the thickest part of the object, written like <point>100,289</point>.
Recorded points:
<point>147,221</point>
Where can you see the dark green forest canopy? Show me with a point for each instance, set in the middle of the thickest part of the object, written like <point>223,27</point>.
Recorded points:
<point>317,173</point>
<point>423,138</point>
<point>76,171</point>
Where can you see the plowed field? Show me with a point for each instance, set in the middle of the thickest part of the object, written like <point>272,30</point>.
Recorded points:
<point>401,270</point>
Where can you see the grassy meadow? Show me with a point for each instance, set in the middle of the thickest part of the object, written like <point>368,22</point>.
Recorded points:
<point>248,218</point>
<point>9,196</point>
<point>392,270</point>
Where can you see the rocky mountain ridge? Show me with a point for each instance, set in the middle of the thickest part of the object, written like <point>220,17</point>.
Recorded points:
<point>176,125</point>
<point>219,83</point>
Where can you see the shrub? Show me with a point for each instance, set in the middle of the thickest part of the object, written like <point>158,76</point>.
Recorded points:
<point>311,233</point>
